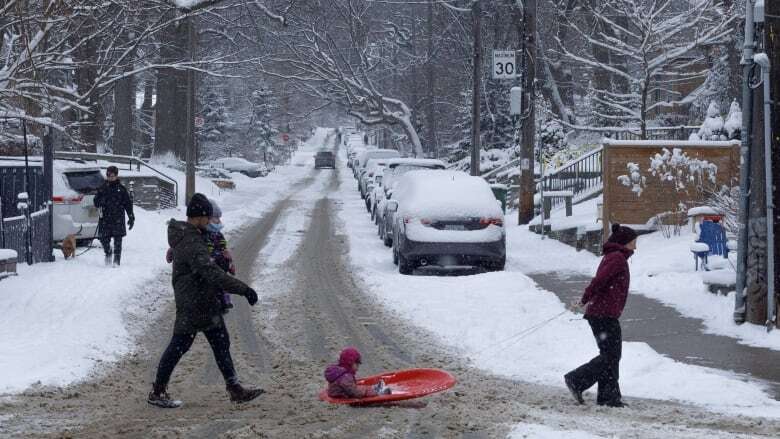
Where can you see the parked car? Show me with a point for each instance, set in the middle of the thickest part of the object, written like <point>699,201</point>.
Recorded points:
<point>366,182</point>
<point>244,166</point>
<point>352,155</point>
<point>74,213</point>
<point>324,159</point>
<point>447,219</point>
<point>395,169</point>
<point>371,154</point>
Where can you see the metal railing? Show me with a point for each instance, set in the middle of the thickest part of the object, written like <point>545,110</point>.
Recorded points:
<point>582,177</point>
<point>681,132</point>
<point>168,198</point>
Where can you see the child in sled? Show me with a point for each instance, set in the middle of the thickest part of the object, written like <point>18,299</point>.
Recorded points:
<point>342,382</point>
<point>218,250</point>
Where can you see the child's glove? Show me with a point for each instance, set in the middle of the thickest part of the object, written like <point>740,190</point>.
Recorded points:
<point>169,255</point>
<point>232,269</point>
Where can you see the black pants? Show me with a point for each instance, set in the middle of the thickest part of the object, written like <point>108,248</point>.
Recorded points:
<point>105,241</point>
<point>218,338</point>
<point>605,368</point>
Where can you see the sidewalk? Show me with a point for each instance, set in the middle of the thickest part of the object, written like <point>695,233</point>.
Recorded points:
<point>676,336</point>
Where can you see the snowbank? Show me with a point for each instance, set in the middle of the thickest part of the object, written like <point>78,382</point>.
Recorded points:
<point>504,323</point>
<point>63,319</point>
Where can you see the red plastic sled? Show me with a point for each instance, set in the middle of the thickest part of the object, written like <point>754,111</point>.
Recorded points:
<point>405,384</point>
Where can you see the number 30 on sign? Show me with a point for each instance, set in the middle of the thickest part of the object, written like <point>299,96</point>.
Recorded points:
<point>504,64</point>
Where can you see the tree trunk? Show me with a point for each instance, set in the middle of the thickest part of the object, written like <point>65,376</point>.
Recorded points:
<point>124,101</point>
<point>146,119</point>
<point>86,74</point>
<point>170,116</point>
<point>430,137</point>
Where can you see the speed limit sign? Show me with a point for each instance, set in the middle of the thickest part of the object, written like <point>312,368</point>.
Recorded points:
<point>504,64</point>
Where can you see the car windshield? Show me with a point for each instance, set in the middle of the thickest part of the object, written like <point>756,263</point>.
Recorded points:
<point>85,182</point>
<point>327,154</point>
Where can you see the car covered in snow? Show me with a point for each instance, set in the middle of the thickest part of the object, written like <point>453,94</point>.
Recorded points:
<point>366,183</point>
<point>372,154</point>
<point>393,172</point>
<point>449,220</point>
<point>244,166</point>
<point>74,213</point>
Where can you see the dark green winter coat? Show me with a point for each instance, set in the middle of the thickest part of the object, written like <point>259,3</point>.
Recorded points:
<point>197,281</point>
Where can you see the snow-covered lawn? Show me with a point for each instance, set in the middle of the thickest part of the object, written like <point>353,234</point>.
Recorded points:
<point>61,320</point>
<point>504,323</point>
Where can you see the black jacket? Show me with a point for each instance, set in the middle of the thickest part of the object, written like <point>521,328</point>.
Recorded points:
<point>197,281</point>
<point>114,200</point>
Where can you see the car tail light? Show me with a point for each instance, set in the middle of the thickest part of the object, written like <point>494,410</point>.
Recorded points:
<point>59,199</point>
<point>426,222</point>
<point>491,221</point>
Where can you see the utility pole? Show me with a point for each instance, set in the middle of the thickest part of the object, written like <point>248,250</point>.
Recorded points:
<point>740,302</point>
<point>772,32</point>
<point>476,16</point>
<point>525,211</point>
<point>190,152</point>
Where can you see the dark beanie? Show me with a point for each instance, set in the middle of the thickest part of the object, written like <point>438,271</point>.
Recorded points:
<point>112,170</point>
<point>622,235</point>
<point>199,206</point>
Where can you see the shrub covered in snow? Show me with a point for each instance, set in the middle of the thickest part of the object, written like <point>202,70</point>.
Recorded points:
<point>712,127</point>
<point>634,179</point>
<point>733,125</point>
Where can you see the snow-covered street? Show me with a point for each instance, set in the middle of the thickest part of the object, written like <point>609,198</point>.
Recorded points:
<point>304,240</point>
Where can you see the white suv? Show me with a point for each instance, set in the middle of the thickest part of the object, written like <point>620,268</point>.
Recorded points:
<point>75,185</point>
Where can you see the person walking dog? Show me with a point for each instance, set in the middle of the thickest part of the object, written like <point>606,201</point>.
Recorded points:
<point>198,284</point>
<point>604,300</point>
<point>114,201</point>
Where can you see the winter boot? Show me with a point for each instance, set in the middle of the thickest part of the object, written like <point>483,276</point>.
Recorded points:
<point>160,398</point>
<point>239,394</point>
<point>577,394</point>
<point>108,259</point>
<point>117,259</point>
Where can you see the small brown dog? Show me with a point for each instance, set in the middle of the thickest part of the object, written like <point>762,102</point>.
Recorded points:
<point>69,246</point>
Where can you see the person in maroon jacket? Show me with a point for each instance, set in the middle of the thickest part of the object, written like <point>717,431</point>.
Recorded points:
<point>604,300</point>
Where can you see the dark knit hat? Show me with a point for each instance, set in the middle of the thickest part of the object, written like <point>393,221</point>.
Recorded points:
<point>621,234</point>
<point>112,170</point>
<point>199,206</point>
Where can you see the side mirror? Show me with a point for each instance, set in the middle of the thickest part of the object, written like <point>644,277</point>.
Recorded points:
<point>392,206</point>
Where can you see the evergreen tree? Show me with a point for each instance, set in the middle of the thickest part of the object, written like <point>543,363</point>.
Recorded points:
<point>261,133</point>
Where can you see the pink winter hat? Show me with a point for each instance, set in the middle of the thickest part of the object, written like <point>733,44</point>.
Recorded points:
<point>348,357</point>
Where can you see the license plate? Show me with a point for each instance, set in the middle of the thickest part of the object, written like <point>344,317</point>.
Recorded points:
<point>455,227</point>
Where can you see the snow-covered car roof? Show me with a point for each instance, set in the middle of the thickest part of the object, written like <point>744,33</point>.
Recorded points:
<point>442,194</point>
<point>237,163</point>
<point>369,154</point>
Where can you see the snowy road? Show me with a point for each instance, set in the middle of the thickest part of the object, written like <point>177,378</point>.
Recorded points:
<point>312,304</point>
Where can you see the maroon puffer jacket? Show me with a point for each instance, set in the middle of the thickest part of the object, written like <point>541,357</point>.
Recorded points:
<point>606,295</point>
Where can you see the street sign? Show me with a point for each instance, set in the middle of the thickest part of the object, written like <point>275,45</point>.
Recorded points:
<point>286,137</point>
<point>199,121</point>
<point>515,101</point>
<point>504,64</point>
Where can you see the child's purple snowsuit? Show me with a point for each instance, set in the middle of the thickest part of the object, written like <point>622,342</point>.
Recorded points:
<point>219,252</point>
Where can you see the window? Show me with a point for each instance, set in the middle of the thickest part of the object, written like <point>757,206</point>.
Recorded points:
<point>85,182</point>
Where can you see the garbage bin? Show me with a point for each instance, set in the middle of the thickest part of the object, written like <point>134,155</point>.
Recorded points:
<point>500,191</point>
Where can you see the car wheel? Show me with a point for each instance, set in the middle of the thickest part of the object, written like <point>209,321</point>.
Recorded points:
<point>388,241</point>
<point>404,266</point>
<point>395,256</point>
<point>496,265</point>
